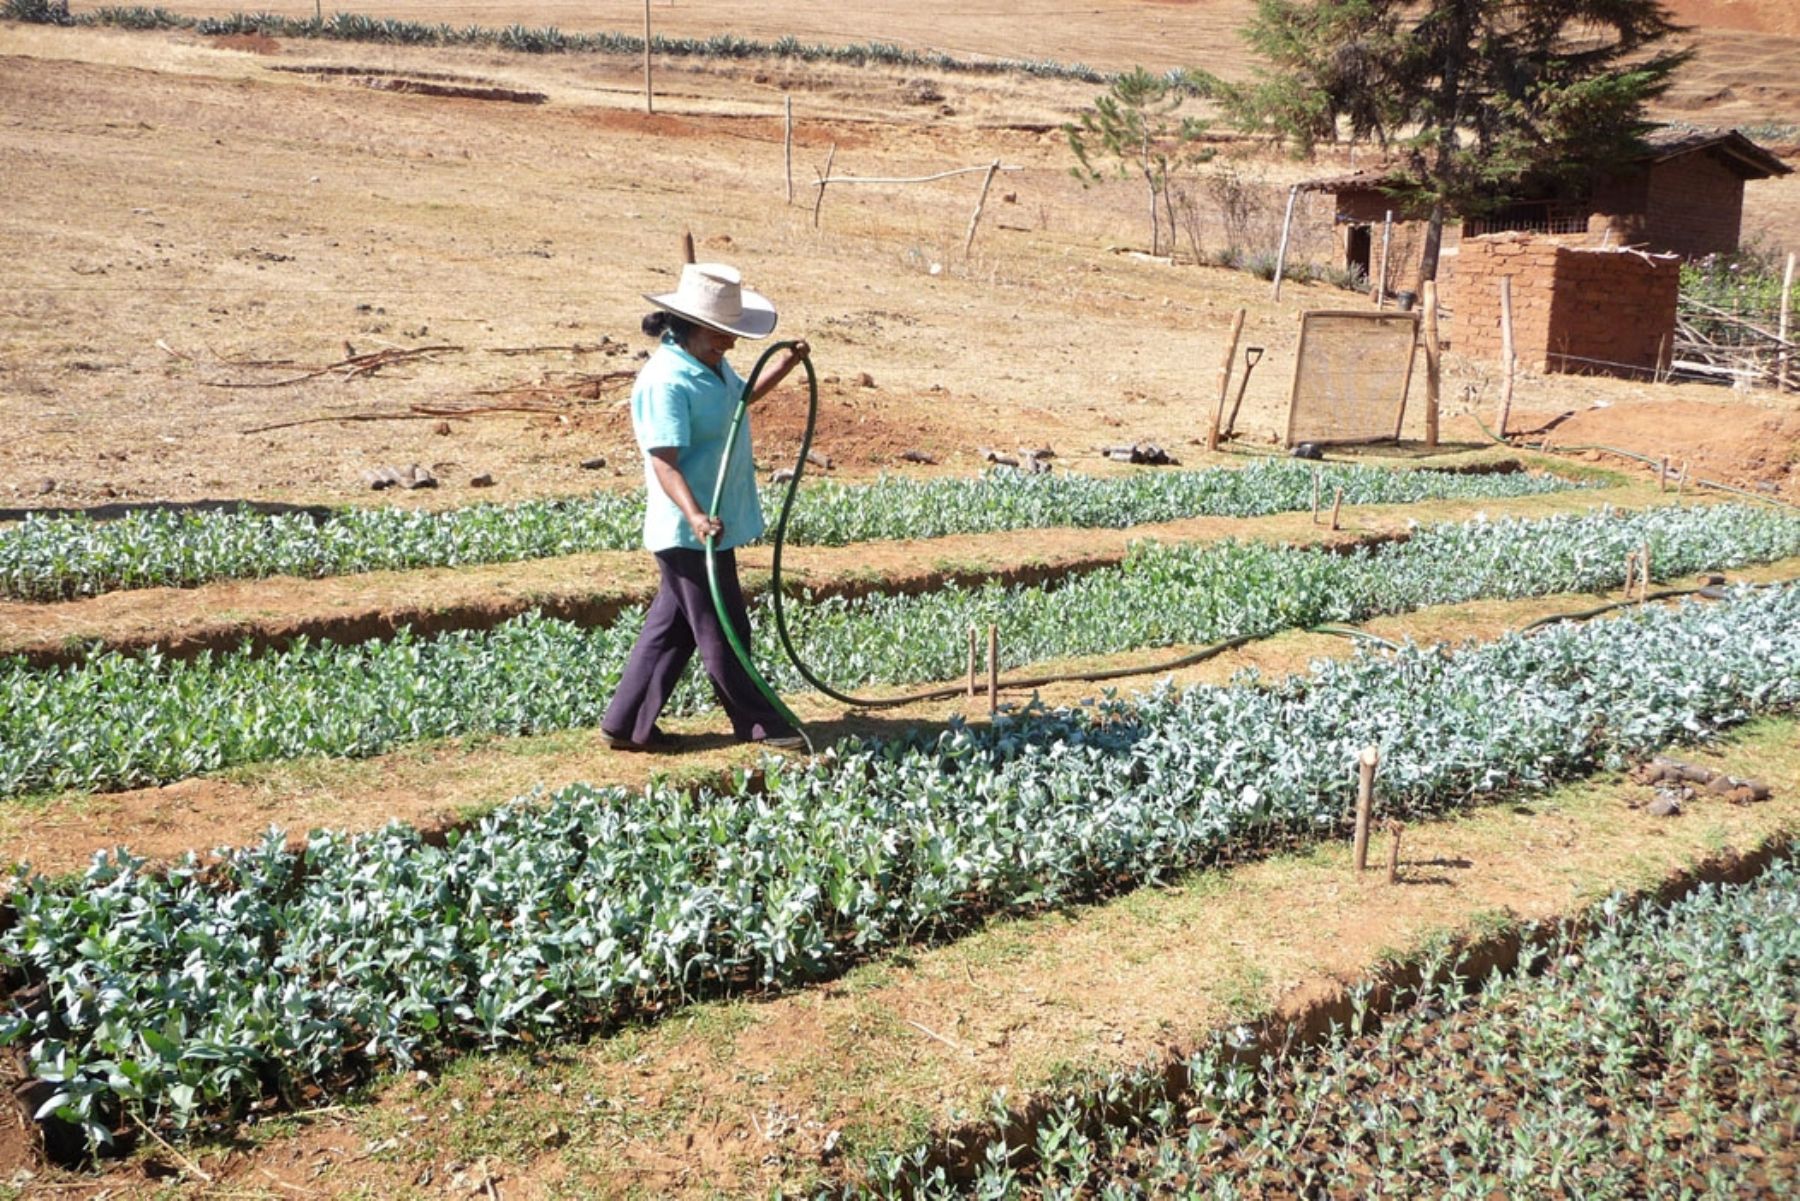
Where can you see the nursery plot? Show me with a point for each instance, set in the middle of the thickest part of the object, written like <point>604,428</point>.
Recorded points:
<point>1650,1054</point>
<point>120,720</point>
<point>373,950</point>
<point>55,558</point>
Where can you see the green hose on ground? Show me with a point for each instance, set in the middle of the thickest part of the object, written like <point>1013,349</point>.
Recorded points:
<point>943,693</point>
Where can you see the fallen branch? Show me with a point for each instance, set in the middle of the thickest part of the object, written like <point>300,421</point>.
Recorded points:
<point>355,365</point>
<point>416,416</point>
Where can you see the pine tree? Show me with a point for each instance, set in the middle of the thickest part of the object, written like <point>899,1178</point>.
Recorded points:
<point>1136,121</point>
<point>1479,98</point>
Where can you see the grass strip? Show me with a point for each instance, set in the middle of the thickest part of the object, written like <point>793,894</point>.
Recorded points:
<point>124,720</point>
<point>194,991</point>
<point>61,557</point>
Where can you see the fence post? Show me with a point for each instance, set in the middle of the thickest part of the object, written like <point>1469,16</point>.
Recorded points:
<point>649,101</point>
<point>980,203</point>
<point>1433,362</point>
<point>1387,235</point>
<point>1506,351</point>
<point>1781,329</point>
<point>993,670</point>
<point>1287,225</point>
<point>787,144</point>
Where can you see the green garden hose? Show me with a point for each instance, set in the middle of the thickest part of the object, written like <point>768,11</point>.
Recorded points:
<point>781,625</point>
<point>943,693</point>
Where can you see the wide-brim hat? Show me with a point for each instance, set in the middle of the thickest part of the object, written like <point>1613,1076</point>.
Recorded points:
<point>714,295</point>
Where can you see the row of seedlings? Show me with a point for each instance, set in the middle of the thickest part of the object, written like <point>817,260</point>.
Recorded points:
<point>60,557</point>
<point>1648,1052</point>
<point>121,720</point>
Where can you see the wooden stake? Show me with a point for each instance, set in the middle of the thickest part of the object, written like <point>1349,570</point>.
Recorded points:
<point>1315,496</point>
<point>971,660</point>
<point>1237,330</point>
<point>687,245</point>
<point>1630,572</point>
<point>1681,480</point>
<point>1506,351</point>
<point>1433,363</point>
<point>1387,234</point>
<point>1396,828</point>
<point>980,203</point>
<point>1365,802</point>
<point>1337,503</point>
<point>1287,225</point>
<point>649,95</point>
<point>787,145</point>
<point>1781,326</point>
<point>1662,475</point>
<point>819,200</point>
<point>1644,573</point>
<point>993,670</point>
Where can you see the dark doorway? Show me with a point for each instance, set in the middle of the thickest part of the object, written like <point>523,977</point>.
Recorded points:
<point>1357,244</point>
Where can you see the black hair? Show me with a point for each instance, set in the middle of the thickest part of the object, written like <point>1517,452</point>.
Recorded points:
<point>662,322</point>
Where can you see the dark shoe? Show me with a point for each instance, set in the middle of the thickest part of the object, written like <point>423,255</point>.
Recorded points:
<point>784,742</point>
<point>658,741</point>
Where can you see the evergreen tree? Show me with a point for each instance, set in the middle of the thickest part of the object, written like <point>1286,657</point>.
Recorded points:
<point>1480,98</point>
<point>1136,121</point>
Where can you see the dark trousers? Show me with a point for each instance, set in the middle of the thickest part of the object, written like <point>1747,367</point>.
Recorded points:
<point>681,619</point>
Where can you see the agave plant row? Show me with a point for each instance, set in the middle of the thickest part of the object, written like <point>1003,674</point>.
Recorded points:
<point>119,720</point>
<point>53,558</point>
<point>186,991</point>
<point>1651,1058</point>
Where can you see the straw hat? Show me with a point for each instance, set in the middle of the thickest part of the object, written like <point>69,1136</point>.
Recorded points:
<point>714,295</point>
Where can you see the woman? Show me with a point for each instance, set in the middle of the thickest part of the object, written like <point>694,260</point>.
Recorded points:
<point>681,408</point>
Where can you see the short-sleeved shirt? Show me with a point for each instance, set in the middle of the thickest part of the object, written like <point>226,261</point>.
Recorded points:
<point>679,401</point>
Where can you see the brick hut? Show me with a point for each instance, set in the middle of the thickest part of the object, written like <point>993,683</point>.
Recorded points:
<point>1684,195</point>
<point>1595,275</point>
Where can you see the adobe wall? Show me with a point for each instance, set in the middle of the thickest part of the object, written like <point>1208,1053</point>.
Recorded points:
<point>1576,309</point>
<point>1694,206</point>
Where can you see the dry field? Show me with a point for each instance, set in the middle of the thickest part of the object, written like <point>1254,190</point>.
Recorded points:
<point>197,236</point>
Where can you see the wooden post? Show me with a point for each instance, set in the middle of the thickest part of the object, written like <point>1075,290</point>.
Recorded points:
<point>971,660</point>
<point>687,246</point>
<point>1337,503</point>
<point>1644,573</point>
<point>1287,225</point>
<point>1433,363</point>
<point>1781,326</point>
<point>787,145</point>
<point>1662,475</point>
<point>1387,234</point>
<point>649,95</point>
<point>993,670</point>
<point>1396,828</point>
<point>980,203</point>
<point>1365,802</point>
<point>824,175</point>
<point>1506,351</point>
<point>1681,480</point>
<point>1237,330</point>
<point>1630,572</point>
<point>1315,496</point>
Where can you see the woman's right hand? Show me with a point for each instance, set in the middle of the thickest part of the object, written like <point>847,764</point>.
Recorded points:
<point>704,526</point>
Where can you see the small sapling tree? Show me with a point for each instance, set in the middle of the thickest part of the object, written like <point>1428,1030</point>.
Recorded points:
<point>1137,122</point>
<point>1479,97</point>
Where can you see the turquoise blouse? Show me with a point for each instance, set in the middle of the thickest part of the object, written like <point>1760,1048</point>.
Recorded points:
<point>679,401</point>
